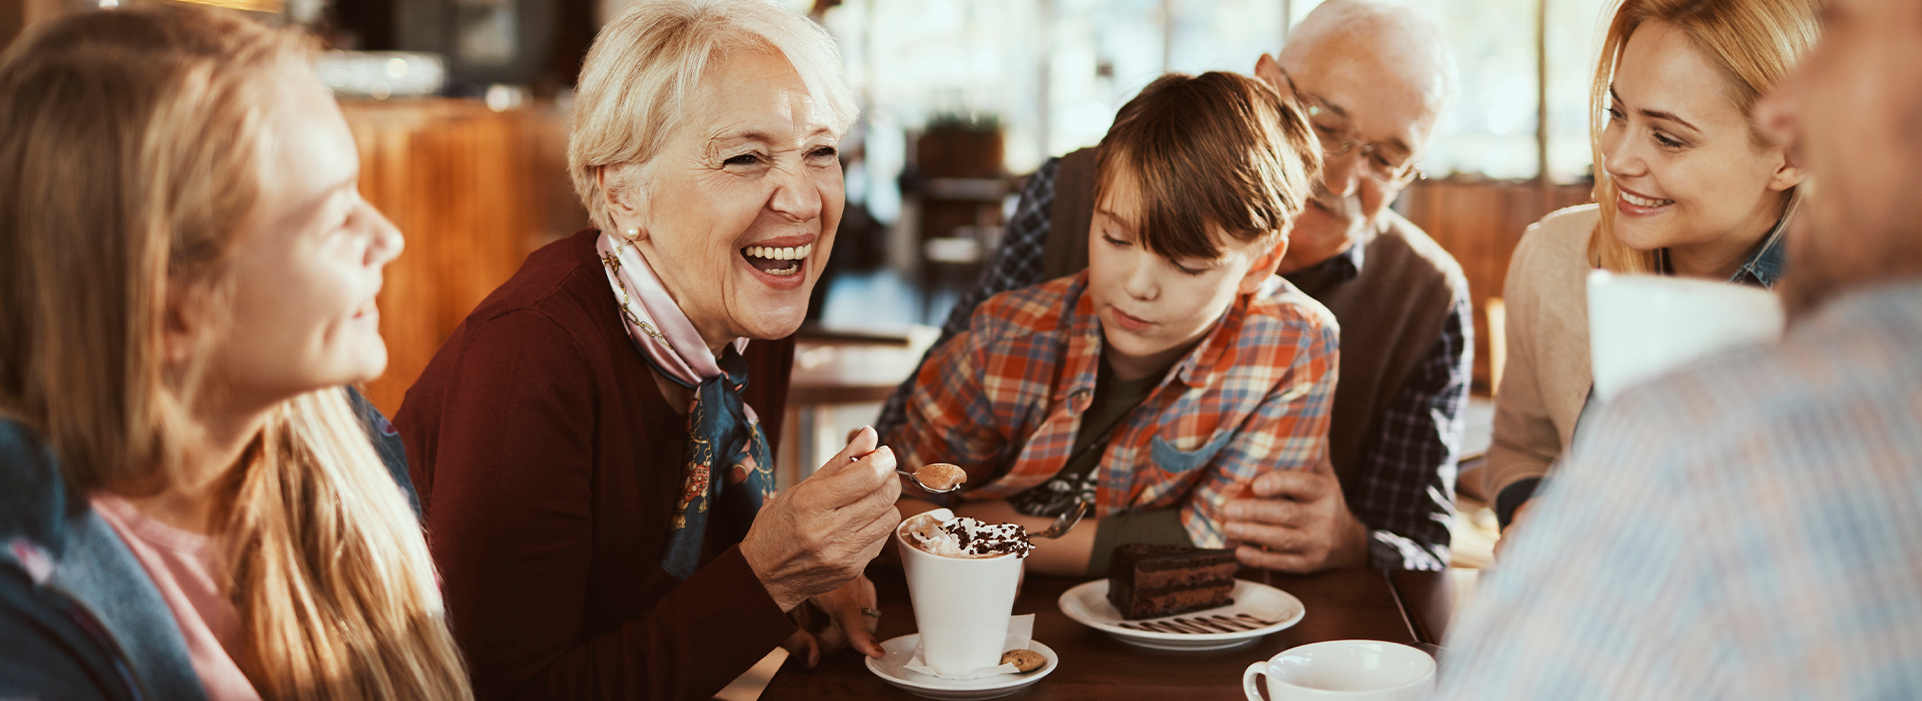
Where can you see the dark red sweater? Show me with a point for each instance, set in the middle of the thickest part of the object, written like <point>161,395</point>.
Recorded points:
<point>547,463</point>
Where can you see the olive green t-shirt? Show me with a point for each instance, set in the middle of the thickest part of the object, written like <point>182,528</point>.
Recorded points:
<point>1114,399</point>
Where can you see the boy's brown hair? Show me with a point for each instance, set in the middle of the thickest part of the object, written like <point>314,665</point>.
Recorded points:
<point>1216,148</point>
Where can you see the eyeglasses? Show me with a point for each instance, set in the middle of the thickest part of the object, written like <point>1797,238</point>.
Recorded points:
<point>1338,139</point>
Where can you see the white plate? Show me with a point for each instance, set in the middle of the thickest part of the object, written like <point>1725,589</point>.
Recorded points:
<point>900,650</point>
<point>1088,605</point>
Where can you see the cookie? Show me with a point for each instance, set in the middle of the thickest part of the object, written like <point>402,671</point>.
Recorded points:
<point>1024,660</point>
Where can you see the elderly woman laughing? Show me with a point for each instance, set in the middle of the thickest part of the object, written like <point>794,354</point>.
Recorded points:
<point>586,444</point>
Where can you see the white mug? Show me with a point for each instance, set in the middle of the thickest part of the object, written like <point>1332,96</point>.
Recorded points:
<point>1344,670</point>
<point>1640,326</point>
<point>961,605</point>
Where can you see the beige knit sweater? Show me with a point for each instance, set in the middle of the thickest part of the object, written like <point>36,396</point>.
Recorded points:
<point>1547,377</point>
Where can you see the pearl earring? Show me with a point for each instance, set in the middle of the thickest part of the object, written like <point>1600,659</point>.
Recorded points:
<point>633,232</point>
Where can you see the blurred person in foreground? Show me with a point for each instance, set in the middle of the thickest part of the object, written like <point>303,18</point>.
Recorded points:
<point>592,443</point>
<point>1373,77</point>
<point>190,506</point>
<point>1745,528</point>
<point>1687,186</point>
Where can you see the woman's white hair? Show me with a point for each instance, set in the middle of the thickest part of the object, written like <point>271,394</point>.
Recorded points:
<point>646,64</point>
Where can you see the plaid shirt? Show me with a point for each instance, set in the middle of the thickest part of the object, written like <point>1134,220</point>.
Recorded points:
<point>1408,469</point>
<point>1004,400</point>
<point>1745,528</point>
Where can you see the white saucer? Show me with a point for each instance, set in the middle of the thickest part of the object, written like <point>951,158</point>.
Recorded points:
<point>900,650</point>
<point>1088,605</point>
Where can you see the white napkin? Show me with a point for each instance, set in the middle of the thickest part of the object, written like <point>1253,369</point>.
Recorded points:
<point>1020,633</point>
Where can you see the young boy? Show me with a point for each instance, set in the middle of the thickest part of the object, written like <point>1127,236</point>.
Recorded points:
<point>1171,372</point>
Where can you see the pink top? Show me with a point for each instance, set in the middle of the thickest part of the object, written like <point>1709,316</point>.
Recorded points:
<point>182,567</point>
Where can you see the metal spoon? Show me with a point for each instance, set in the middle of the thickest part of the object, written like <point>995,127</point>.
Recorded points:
<point>1065,522</point>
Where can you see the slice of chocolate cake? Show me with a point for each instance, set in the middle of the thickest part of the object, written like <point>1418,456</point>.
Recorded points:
<point>1150,581</point>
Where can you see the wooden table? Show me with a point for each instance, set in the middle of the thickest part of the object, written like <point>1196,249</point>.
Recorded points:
<point>1341,604</point>
<point>1427,601</point>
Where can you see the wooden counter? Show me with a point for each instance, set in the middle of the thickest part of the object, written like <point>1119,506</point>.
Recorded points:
<point>1480,222</point>
<point>473,190</point>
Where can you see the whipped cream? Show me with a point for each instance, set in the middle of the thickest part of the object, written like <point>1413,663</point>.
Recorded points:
<point>964,537</point>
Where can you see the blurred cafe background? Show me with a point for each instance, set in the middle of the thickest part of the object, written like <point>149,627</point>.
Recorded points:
<point>460,111</point>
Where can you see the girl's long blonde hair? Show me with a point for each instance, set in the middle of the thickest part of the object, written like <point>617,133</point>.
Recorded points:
<point>129,160</point>
<point>1753,42</point>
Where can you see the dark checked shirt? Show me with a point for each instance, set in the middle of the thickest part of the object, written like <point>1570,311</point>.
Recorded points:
<point>1407,500</point>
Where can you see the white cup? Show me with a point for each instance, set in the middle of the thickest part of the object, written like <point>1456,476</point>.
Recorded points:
<point>1348,670</point>
<point>961,605</point>
<point>1640,326</point>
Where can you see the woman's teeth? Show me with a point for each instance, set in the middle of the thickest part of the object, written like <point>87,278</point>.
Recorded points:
<point>768,255</point>
<point>772,253</point>
<point>1644,201</point>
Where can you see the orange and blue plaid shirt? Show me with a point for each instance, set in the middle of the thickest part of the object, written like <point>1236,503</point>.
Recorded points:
<point>1004,400</point>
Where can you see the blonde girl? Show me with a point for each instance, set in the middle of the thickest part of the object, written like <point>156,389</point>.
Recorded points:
<point>190,503</point>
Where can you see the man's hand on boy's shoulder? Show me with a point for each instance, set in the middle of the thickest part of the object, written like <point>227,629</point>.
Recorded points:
<point>1296,521</point>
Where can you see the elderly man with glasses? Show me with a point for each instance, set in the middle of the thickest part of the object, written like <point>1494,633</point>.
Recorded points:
<point>1374,78</point>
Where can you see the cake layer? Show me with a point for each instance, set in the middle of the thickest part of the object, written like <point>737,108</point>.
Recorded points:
<point>1143,557</point>
<point>1177,576</point>
<point>1169,602</point>
<point>1195,557</point>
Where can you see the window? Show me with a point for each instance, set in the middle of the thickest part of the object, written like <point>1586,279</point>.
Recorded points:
<point>1574,37</point>
<point>1053,72</point>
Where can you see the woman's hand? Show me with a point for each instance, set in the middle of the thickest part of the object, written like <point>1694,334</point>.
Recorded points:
<point>818,535</point>
<point>852,617</point>
<point>1514,525</point>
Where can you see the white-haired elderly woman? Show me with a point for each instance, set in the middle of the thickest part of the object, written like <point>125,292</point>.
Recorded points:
<point>586,445</point>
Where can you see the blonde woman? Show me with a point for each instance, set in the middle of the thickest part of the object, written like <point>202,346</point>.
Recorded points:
<point>189,503</point>
<point>1686,184</point>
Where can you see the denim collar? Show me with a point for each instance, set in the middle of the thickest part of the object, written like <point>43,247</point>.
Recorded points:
<point>53,536</point>
<point>1764,265</point>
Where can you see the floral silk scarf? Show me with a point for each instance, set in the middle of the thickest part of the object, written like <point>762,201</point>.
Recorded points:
<point>722,429</point>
